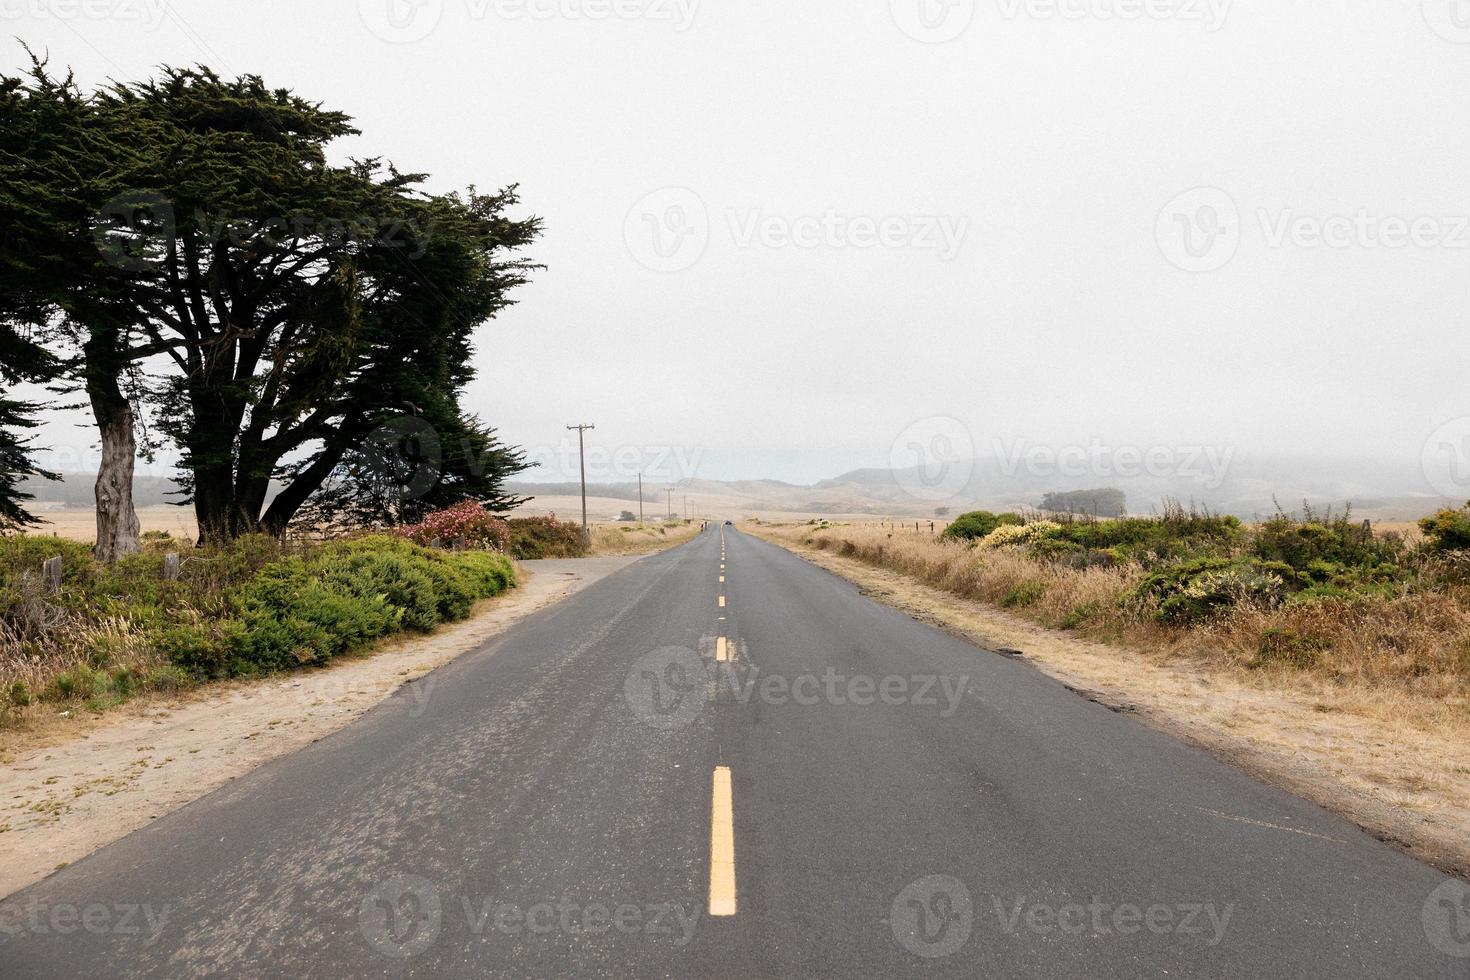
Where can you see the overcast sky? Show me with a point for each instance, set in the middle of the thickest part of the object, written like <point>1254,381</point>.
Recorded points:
<point>789,239</point>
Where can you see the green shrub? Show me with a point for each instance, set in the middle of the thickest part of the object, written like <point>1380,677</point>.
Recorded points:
<point>1177,534</point>
<point>203,648</point>
<point>977,524</point>
<point>1024,594</point>
<point>237,610</point>
<point>23,554</point>
<point>1193,591</point>
<point>1337,542</point>
<point>546,537</point>
<point>1447,531</point>
<point>1079,616</point>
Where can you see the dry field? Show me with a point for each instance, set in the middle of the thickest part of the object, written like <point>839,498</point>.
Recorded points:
<point>81,525</point>
<point>1376,730</point>
<point>639,539</point>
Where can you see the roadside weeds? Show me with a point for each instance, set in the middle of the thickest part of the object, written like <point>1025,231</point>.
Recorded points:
<point>1367,755</point>
<point>73,785</point>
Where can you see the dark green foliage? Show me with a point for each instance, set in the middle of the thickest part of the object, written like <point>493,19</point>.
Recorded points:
<point>977,524</point>
<point>1324,538</point>
<point>1024,594</point>
<point>1096,503</point>
<point>304,611</point>
<point>1190,592</point>
<point>20,360</point>
<point>1178,533</point>
<point>546,537</point>
<point>245,609</point>
<point>288,307</point>
<point>1079,616</point>
<point>1448,531</point>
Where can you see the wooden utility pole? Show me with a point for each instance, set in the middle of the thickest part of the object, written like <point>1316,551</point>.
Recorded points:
<point>640,496</point>
<point>582,462</point>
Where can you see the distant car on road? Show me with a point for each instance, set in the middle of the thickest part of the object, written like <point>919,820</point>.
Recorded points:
<point>731,523</point>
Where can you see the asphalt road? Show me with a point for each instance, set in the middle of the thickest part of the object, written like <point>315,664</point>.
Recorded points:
<point>855,794</point>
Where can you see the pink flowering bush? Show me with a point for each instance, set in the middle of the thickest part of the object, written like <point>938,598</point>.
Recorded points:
<point>466,519</point>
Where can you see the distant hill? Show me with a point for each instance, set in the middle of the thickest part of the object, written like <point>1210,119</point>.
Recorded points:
<point>76,490</point>
<point>1248,487</point>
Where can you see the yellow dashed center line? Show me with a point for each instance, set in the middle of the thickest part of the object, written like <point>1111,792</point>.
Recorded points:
<point>722,846</point>
<point>722,578</point>
<point>722,602</point>
<point>721,653</point>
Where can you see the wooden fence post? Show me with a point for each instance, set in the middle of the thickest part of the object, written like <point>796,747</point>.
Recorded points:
<point>171,566</point>
<point>51,572</point>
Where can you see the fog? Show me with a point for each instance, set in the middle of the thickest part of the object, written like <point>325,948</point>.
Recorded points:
<point>790,240</point>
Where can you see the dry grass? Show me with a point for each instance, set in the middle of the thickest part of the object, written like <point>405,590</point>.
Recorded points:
<point>640,539</point>
<point>1418,645</point>
<point>80,524</point>
<point>1374,729</point>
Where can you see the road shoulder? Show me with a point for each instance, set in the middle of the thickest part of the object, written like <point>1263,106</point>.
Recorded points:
<point>1409,794</point>
<point>85,787</point>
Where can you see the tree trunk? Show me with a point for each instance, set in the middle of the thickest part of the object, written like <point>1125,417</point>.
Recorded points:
<point>117,520</point>
<point>213,503</point>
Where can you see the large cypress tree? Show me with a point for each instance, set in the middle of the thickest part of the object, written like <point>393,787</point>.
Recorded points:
<point>285,308</point>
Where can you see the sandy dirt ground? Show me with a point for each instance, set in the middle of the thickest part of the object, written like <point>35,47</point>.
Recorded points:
<point>70,788</point>
<point>1410,789</point>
